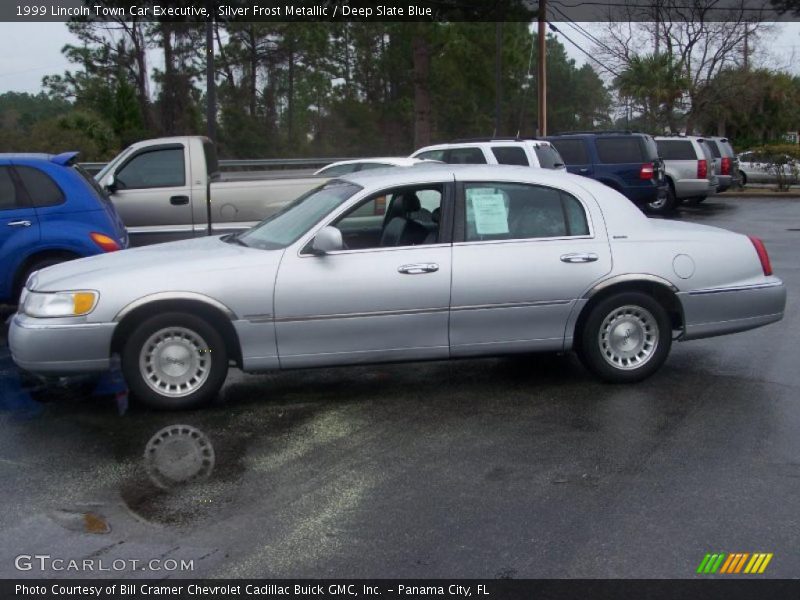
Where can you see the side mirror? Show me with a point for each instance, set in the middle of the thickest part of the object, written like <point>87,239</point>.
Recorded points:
<point>327,240</point>
<point>111,184</point>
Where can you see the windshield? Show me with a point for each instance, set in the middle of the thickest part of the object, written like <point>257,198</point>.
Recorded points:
<point>286,226</point>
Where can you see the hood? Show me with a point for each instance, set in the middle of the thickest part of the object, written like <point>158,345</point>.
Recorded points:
<point>171,265</point>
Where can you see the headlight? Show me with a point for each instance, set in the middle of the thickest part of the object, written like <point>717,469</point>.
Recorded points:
<point>59,304</point>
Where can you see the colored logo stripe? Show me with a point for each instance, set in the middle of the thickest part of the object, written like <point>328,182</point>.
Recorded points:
<point>734,563</point>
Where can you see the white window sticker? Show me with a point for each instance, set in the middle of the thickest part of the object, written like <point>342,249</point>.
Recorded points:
<point>490,212</point>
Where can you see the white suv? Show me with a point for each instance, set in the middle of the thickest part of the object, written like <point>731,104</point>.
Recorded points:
<point>495,151</point>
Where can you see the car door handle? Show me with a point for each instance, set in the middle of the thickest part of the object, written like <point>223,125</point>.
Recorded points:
<point>179,200</point>
<point>19,224</point>
<point>579,257</point>
<point>583,170</point>
<point>418,268</point>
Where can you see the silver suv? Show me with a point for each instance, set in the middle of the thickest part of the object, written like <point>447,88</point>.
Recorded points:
<point>496,151</point>
<point>689,167</point>
<point>725,160</point>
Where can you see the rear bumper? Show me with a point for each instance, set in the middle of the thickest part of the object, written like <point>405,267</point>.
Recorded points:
<point>724,182</point>
<point>691,188</point>
<point>718,311</point>
<point>58,347</point>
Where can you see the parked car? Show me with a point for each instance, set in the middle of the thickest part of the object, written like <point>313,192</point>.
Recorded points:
<point>689,168</point>
<point>625,161</point>
<point>757,167</point>
<point>50,212</point>
<point>365,164</point>
<point>725,162</point>
<point>161,189</point>
<point>495,151</point>
<point>571,266</point>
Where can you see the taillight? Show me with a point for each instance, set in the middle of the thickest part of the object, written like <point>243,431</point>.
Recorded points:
<point>647,171</point>
<point>725,166</point>
<point>761,250</point>
<point>702,168</point>
<point>106,243</point>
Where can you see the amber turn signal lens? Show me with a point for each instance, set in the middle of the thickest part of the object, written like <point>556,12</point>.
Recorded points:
<point>82,302</point>
<point>106,243</point>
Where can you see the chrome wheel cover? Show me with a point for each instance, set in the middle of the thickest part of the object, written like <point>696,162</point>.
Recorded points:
<point>628,337</point>
<point>175,362</point>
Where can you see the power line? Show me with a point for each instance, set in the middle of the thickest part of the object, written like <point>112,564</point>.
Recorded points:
<point>579,47</point>
<point>586,34</point>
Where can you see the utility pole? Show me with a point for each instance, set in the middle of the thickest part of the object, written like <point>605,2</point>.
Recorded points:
<point>542,129</point>
<point>498,81</point>
<point>211,84</point>
<point>746,47</point>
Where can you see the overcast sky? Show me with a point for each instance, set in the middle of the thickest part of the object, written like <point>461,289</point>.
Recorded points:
<point>28,51</point>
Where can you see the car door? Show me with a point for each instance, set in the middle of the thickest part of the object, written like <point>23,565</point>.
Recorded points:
<point>152,194</point>
<point>522,255</point>
<point>19,229</point>
<point>373,301</point>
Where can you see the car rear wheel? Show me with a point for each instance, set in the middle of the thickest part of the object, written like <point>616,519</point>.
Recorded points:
<point>665,203</point>
<point>625,338</point>
<point>742,179</point>
<point>175,361</point>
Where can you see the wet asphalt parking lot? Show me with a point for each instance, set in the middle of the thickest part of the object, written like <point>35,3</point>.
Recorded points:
<point>509,467</point>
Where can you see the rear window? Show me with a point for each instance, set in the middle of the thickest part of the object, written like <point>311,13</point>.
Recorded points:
<point>572,151</point>
<point>42,190</point>
<point>676,150</point>
<point>99,192</point>
<point>466,156</point>
<point>510,155</point>
<point>714,148</point>
<point>549,158</point>
<point>618,150</point>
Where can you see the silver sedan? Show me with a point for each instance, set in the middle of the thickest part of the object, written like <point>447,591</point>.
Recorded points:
<point>427,263</point>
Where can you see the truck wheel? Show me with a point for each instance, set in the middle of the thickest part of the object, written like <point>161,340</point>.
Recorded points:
<point>742,179</point>
<point>626,338</point>
<point>664,204</point>
<point>175,361</point>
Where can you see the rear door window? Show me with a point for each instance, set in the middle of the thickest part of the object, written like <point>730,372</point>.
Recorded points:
<point>619,150</point>
<point>512,211</point>
<point>8,191</point>
<point>572,151</point>
<point>41,189</point>
<point>466,156</point>
<point>676,150</point>
<point>510,155</point>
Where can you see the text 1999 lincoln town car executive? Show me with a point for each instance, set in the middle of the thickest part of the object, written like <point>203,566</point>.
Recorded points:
<point>431,262</point>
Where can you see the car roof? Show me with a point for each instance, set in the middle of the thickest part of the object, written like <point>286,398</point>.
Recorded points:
<point>395,160</point>
<point>472,143</point>
<point>64,159</point>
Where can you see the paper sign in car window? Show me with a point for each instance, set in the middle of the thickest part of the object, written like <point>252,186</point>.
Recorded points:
<point>491,214</point>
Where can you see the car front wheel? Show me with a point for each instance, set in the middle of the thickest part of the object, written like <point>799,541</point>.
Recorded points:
<point>626,338</point>
<point>175,361</point>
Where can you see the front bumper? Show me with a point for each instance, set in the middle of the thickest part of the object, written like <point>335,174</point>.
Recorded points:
<point>60,346</point>
<point>718,311</point>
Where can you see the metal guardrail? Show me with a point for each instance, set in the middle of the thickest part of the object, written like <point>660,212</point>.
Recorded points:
<point>253,164</point>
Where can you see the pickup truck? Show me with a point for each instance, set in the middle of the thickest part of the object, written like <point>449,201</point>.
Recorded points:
<point>170,188</point>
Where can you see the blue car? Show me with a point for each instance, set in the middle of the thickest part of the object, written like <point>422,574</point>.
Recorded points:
<point>51,211</point>
<point>623,160</point>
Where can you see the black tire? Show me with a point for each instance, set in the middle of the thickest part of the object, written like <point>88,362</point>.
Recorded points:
<point>211,360</point>
<point>664,205</point>
<point>599,357</point>
<point>742,179</point>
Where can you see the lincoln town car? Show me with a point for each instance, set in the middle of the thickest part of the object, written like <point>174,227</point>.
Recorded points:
<point>432,262</point>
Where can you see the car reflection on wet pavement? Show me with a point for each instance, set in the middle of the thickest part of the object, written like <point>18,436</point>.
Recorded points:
<point>512,467</point>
